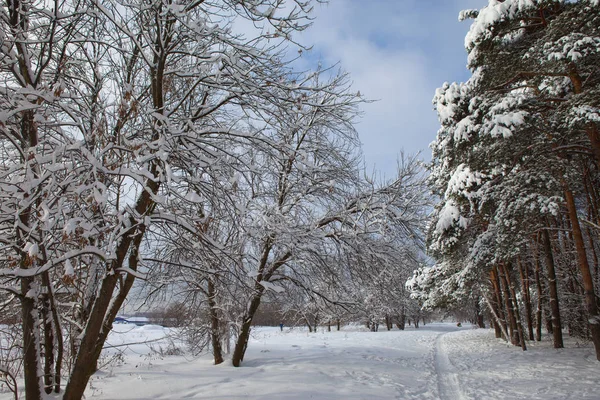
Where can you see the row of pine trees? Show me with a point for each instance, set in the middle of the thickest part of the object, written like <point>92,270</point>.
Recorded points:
<point>516,165</point>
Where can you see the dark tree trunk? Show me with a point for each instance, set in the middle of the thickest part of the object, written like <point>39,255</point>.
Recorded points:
<point>242,342</point>
<point>215,329</point>
<point>263,275</point>
<point>308,324</point>
<point>554,305</point>
<point>478,315</point>
<point>480,321</point>
<point>540,299</point>
<point>29,311</point>
<point>47,323</point>
<point>401,321</point>
<point>498,301</point>
<point>106,306</point>
<point>496,321</point>
<point>586,275</point>
<point>30,344</point>
<point>339,324</point>
<point>524,273</point>
<point>517,314</point>
<point>508,305</point>
<point>497,330</point>
<point>373,326</point>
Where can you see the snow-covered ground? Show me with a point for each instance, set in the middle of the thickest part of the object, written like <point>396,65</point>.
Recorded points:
<point>437,361</point>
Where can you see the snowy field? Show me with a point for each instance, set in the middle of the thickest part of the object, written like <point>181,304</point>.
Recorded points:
<point>437,361</point>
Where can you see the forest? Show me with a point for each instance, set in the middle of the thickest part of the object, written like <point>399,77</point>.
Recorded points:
<point>154,157</point>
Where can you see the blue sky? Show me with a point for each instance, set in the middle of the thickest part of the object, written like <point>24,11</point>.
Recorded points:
<point>397,52</point>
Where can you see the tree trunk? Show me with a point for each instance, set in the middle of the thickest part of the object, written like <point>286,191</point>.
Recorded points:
<point>509,309</point>
<point>106,306</point>
<point>30,342</point>
<point>53,338</point>
<point>339,323</point>
<point>540,291</point>
<point>591,129</point>
<point>516,312</point>
<point>586,275</point>
<point>242,342</point>
<point>480,321</point>
<point>554,305</point>
<point>524,274</point>
<point>496,305</point>
<point>308,324</point>
<point>478,315</point>
<point>499,325</point>
<point>215,332</point>
<point>497,330</point>
<point>401,321</point>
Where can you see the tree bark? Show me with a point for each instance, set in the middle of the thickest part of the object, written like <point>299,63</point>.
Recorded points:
<point>554,304</point>
<point>540,298</point>
<point>215,333</point>
<point>524,274</point>
<point>478,315</point>
<point>591,129</point>
<point>106,307</point>
<point>30,342</point>
<point>53,337</point>
<point>508,306</point>
<point>586,275</point>
<point>401,321</point>
<point>516,312</point>
<point>498,323</point>
<point>242,342</point>
<point>497,303</point>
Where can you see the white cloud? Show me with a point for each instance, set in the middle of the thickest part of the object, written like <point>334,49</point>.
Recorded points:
<point>397,52</point>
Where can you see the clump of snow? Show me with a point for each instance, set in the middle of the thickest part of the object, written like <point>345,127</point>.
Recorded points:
<point>468,14</point>
<point>272,286</point>
<point>32,249</point>
<point>585,114</point>
<point>496,12</point>
<point>572,47</point>
<point>450,216</point>
<point>69,270</point>
<point>446,100</point>
<point>462,179</point>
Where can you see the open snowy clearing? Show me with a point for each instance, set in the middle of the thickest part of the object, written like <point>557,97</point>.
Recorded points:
<point>437,361</point>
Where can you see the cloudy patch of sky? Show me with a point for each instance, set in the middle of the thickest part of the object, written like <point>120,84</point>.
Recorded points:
<point>397,53</point>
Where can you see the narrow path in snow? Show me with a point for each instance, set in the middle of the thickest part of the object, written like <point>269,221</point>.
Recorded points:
<point>448,385</point>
